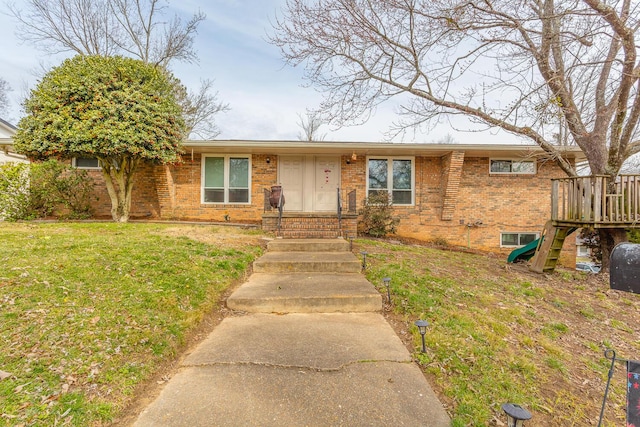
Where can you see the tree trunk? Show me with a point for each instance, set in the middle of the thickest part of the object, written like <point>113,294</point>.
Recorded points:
<point>609,238</point>
<point>118,176</point>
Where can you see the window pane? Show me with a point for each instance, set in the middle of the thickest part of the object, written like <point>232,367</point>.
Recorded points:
<point>401,197</point>
<point>501,166</point>
<point>509,239</point>
<point>238,196</point>
<point>378,174</point>
<point>525,239</point>
<point>523,167</point>
<point>238,173</point>
<point>401,175</point>
<point>214,172</point>
<point>214,196</point>
<point>86,162</point>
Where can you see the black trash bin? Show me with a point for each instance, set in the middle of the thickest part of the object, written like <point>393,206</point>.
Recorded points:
<point>624,274</point>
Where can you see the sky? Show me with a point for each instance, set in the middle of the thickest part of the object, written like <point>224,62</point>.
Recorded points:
<point>266,96</point>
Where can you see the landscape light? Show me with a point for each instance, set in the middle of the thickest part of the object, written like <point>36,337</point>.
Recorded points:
<point>422,327</point>
<point>387,282</point>
<point>516,414</point>
<point>364,260</point>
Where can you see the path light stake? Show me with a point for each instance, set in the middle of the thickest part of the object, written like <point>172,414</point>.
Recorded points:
<point>516,414</point>
<point>350,243</point>
<point>387,281</point>
<point>364,260</point>
<point>422,327</point>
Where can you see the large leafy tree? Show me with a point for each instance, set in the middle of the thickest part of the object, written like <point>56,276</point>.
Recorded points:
<point>119,110</point>
<point>548,71</point>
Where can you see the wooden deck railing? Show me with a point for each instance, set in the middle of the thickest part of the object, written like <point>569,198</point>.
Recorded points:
<point>596,200</point>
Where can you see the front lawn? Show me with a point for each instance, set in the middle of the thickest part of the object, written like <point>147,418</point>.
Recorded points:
<point>89,311</point>
<point>500,333</point>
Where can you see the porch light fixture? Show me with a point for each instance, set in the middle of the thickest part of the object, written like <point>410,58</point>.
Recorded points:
<point>364,260</point>
<point>354,157</point>
<point>268,160</point>
<point>516,414</point>
<point>422,327</point>
<point>387,282</point>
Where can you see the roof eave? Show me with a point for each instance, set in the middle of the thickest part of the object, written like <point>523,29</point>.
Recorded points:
<point>371,148</point>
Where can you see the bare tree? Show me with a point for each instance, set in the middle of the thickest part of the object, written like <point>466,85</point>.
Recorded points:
<point>133,28</point>
<point>145,37</point>
<point>447,139</point>
<point>4,98</point>
<point>79,26</point>
<point>544,70</point>
<point>199,107</point>
<point>310,125</point>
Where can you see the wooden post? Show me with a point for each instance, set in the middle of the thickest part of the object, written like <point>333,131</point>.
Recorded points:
<point>555,184</point>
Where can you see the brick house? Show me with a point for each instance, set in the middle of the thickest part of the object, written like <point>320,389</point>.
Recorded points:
<point>489,197</point>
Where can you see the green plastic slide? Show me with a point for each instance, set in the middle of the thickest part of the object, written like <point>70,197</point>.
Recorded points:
<point>524,253</point>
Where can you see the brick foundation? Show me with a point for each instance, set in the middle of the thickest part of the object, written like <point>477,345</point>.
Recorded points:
<point>311,225</point>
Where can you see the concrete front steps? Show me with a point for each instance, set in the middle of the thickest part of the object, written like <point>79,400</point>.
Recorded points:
<point>301,356</point>
<point>306,276</point>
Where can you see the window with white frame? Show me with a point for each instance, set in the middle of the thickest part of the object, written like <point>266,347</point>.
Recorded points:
<point>512,166</point>
<point>86,163</point>
<point>394,175</point>
<point>583,251</point>
<point>226,179</point>
<point>517,239</point>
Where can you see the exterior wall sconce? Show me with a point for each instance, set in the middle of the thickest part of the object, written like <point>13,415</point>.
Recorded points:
<point>387,282</point>
<point>422,327</point>
<point>268,160</point>
<point>354,157</point>
<point>516,414</point>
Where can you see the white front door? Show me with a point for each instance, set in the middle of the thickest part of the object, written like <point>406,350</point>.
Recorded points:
<point>327,180</point>
<point>309,183</point>
<point>291,170</point>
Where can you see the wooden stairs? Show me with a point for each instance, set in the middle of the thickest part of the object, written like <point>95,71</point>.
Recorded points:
<point>548,251</point>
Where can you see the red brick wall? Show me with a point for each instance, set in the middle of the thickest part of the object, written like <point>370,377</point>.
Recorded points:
<point>503,203</point>
<point>144,197</point>
<point>174,192</point>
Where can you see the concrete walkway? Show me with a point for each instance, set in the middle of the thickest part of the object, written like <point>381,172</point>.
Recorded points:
<point>312,350</point>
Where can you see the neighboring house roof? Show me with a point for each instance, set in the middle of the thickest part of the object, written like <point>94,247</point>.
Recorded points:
<point>373,148</point>
<point>7,130</point>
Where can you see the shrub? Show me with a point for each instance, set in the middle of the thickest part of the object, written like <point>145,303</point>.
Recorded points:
<point>440,241</point>
<point>43,187</point>
<point>14,191</point>
<point>30,191</point>
<point>75,190</point>
<point>376,216</point>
